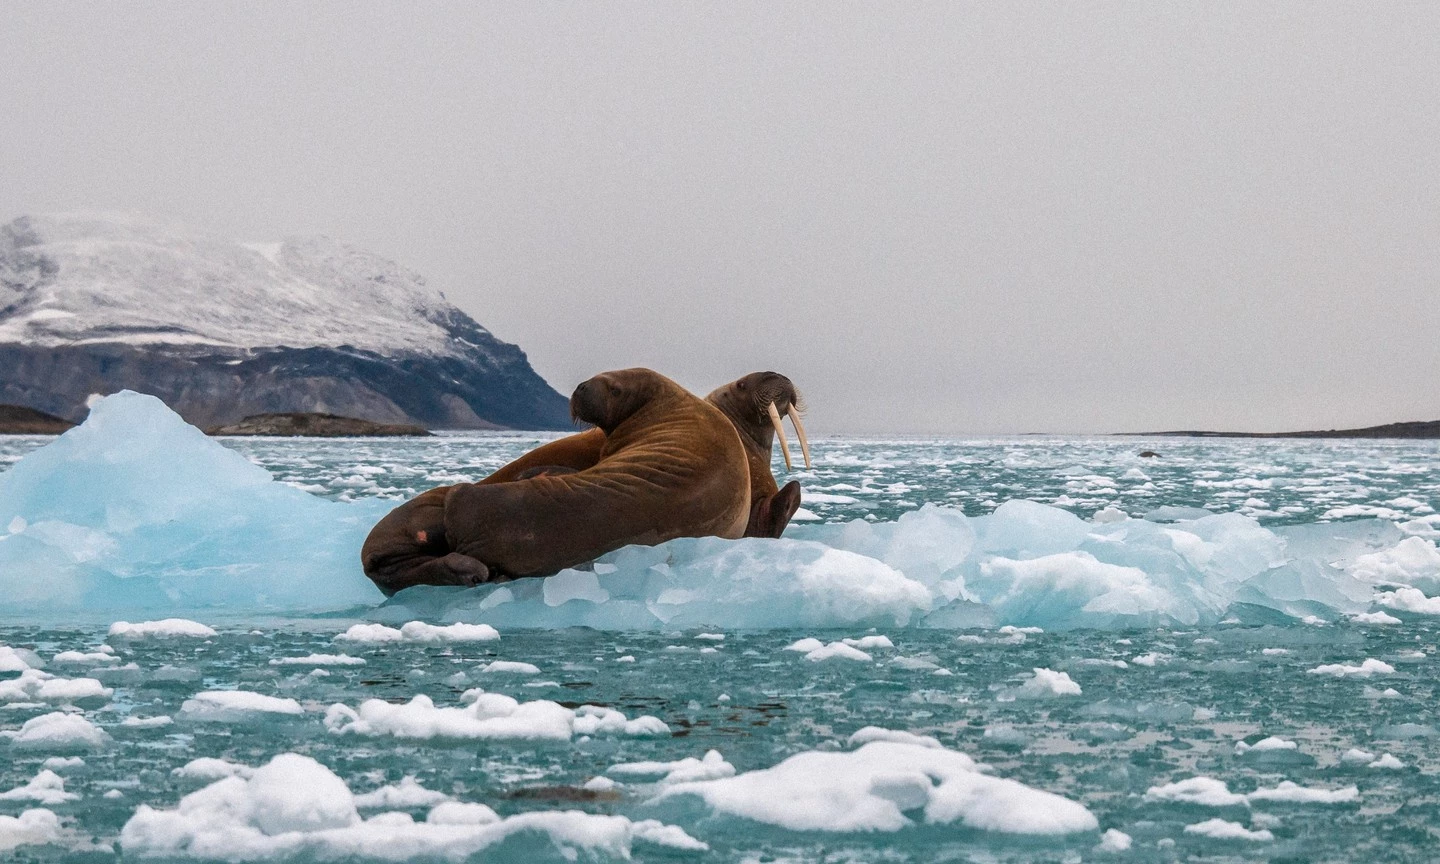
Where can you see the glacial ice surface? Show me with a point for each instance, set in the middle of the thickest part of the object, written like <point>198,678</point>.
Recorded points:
<point>135,509</point>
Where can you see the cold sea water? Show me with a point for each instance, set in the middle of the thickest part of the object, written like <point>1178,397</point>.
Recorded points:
<point>990,650</point>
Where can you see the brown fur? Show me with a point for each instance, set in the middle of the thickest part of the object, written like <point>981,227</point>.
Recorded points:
<point>671,466</point>
<point>744,402</point>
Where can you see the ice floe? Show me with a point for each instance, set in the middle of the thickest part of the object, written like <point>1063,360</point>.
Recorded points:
<point>294,807</point>
<point>165,629</point>
<point>875,787</point>
<point>32,827</point>
<point>486,716</point>
<point>712,766</point>
<point>58,732</point>
<point>233,706</point>
<point>47,788</point>
<point>419,632</point>
<point>1369,668</point>
<point>1220,829</point>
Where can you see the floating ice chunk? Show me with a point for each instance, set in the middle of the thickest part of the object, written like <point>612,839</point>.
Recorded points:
<point>1374,618</point>
<point>488,716</point>
<point>461,813</point>
<point>47,787</point>
<point>838,651</point>
<point>135,508</point>
<point>18,659</point>
<point>872,789</point>
<point>868,643</point>
<point>1366,669</point>
<point>166,628</point>
<point>806,645</point>
<point>1293,793</point>
<point>1201,791</point>
<point>34,685</point>
<point>420,632</point>
<point>1413,561</point>
<point>234,706</point>
<point>319,660</point>
<point>63,763</point>
<point>510,667</point>
<point>568,585</point>
<point>1265,745</point>
<point>32,827</point>
<point>1356,756</point>
<point>58,732</point>
<point>209,768</point>
<point>1387,762</point>
<point>1409,600</point>
<point>1045,684</point>
<point>711,767</point>
<point>1220,829</point>
<point>1114,841</point>
<point>82,658</point>
<point>875,733</point>
<point>600,784</point>
<point>296,808</point>
<point>156,722</point>
<point>713,637</point>
<point>408,794</point>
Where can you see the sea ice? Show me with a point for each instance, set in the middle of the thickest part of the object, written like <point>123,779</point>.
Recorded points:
<point>166,628</point>
<point>210,768</point>
<point>58,732</point>
<point>510,667</point>
<point>1202,791</point>
<point>419,632</point>
<point>837,651</point>
<point>319,660</point>
<point>34,685</point>
<point>1114,841</point>
<point>295,808</point>
<point>1409,600</point>
<point>47,788</point>
<point>18,659</point>
<point>711,767</point>
<point>1293,793</point>
<point>487,716</point>
<point>408,794</point>
<point>235,706</point>
<point>1366,669</point>
<point>1220,829</point>
<point>32,827</point>
<point>875,733</point>
<point>1045,684</point>
<point>874,787</point>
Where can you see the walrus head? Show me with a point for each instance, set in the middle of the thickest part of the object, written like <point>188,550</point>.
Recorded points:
<point>755,404</point>
<point>611,398</point>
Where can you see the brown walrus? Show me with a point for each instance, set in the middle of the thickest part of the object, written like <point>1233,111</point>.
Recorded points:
<point>668,465</point>
<point>754,405</point>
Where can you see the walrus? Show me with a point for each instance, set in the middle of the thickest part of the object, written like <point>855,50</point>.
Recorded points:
<point>660,464</point>
<point>754,405</point>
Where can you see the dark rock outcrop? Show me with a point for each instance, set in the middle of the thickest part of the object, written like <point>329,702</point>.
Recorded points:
<point>313,425</point>
<point>1413,429</point>
<point>19,420</point>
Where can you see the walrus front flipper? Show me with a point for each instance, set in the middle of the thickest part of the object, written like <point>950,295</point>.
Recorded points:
<point>769,516</point>
<point>408,547</point>
<point>575,452</point>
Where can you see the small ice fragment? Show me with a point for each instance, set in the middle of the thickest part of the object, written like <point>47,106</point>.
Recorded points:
<point>838,650</point>
<point>1366,669</point>
<point>1294,793</point>
<point>166,628</point>
<point>1374,618</point>
<point>408,794</point>
<point>713,637</point>
<point>600,784</point>
<point>1356,756</point>
<point>628,658</point>
<point>461,813</point>
<point>1265,745</point>
<point>210,768</point>
<point>47,788</point>
<point>1220,829</point>
<point>63,763</point>
<point>146,722</point>
<point>319,660</point>
<point>1387,762</point>
<point>711,767</point>
<point>1114,841</point>
<point>31,827</point>
<point>419,631</point>
<point>806,645</point>
<point>230,706</point>
<point>59,732</point>
<point>1202,791</point>
<point>1046,683</point>
<point>1151,659</point>
<point>867,643</point>
<point>875,733</point>
<point>510,667</point>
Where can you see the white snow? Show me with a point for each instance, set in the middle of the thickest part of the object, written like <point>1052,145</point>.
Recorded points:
<point>231,706</point>
<point>166,628</point>
<point>872,789</point>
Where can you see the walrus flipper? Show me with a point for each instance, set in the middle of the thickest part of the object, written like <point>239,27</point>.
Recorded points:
<point>769,516</point>
<point>409,547</point>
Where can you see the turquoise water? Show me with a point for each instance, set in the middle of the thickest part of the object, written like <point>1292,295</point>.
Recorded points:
<point>1177,712</point>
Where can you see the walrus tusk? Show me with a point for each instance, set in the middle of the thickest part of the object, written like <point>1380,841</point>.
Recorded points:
<point>780,433</point>
<point>800,433</point>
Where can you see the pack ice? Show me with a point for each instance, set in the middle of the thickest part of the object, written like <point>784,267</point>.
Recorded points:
<point>135,509</point>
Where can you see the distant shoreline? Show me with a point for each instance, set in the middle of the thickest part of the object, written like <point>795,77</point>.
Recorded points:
<point>1412,430</point>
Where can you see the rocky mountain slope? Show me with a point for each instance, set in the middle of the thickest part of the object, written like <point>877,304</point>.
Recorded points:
<point>95,303</point>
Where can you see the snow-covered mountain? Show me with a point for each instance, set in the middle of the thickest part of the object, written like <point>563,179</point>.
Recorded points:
<point>222,329</point>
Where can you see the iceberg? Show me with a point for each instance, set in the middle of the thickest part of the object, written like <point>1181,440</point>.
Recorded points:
<point>137,510</point>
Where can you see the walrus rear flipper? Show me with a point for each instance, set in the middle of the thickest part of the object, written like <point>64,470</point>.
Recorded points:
<point>769,516</point>
<point>408,547</point>
<point>452,569</point>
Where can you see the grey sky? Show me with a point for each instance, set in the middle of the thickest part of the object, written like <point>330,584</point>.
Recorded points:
<point>933,217</point>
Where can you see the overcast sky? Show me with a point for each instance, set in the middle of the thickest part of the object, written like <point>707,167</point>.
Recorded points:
<point>998,217</point>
